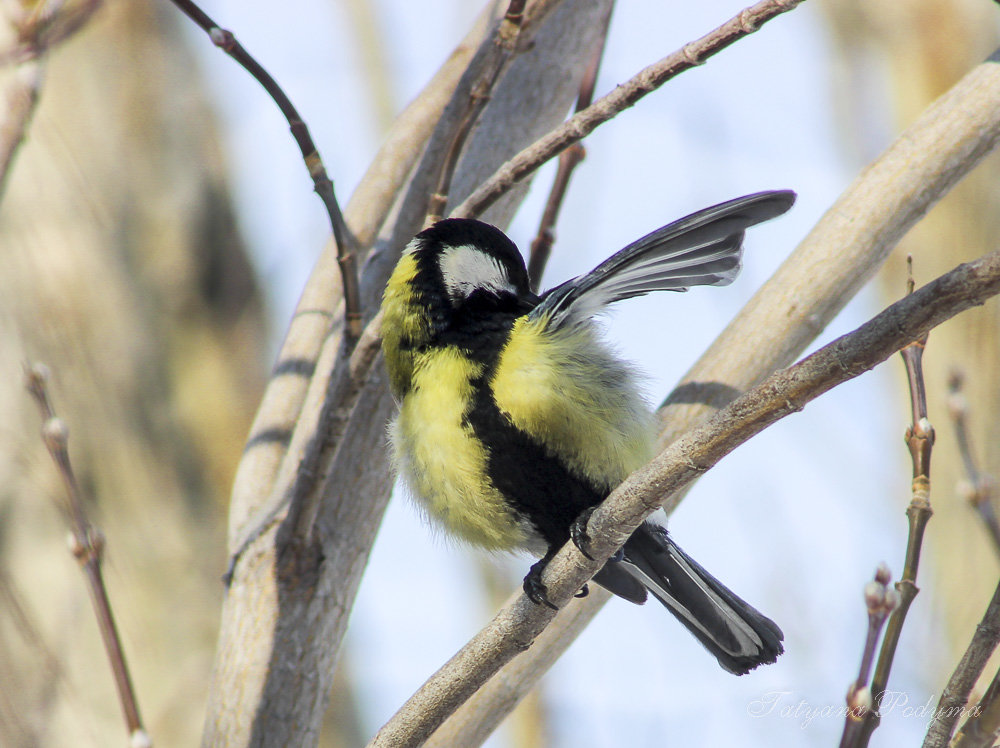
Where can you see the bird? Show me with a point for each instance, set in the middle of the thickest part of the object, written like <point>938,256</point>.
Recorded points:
<point>516,417</point>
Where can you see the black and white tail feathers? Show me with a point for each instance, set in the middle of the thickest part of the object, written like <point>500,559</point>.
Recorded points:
<point>739,636</point>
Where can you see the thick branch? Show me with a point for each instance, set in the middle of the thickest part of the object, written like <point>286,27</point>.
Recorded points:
<point>786,392</point>
<point>956,694</point>
<point>287,608</point>
<point>312,341</point>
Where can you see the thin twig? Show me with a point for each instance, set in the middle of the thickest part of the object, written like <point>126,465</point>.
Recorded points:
<point>36,28</point>
<point>21,99</point>
<point>785,392</point>
<point>569,159</point>
<point>920,441</point>
<point>880,601</point>
<point>322,184</point>
<point>646,81</point>
<point>955,696</point>
<point>504,45</point>
<point>39,26</point>
<point>88,549</point>
<point>980,487</point>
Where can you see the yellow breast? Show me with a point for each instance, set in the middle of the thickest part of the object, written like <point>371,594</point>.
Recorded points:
<point>440,458</point>
<point>565,389</point>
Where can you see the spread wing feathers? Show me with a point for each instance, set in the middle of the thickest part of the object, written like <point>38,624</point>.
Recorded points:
<point>739,636</point>
<point>702,249</point>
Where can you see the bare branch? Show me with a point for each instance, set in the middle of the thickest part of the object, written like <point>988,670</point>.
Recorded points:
<point>322,184</point>
<point>88,549</point>
<point>476,719</point>
<point>515,628</point>
<point>981,486</point>
<point>21,100</point>
<point>541,245</point>
<point>982,728</point>
<point>504,45</point>
<point>627,94</point>
<point>956,694</point>
<point>880,602</point>
<point>838,256</point>
<point>36,27</point>
<point>920,440</point>
<point>287,607</point>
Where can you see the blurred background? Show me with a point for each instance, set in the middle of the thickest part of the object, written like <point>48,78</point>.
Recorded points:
<point>156,230</point>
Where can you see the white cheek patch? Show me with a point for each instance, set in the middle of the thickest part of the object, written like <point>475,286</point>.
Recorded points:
<point>466,268</point>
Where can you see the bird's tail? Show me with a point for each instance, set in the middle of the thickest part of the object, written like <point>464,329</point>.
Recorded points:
<point>739,636</point>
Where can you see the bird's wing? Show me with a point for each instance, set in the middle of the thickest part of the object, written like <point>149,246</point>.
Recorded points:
<point>702,249</point>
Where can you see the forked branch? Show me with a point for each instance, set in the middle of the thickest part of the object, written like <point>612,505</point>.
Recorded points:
<point>646,81</point>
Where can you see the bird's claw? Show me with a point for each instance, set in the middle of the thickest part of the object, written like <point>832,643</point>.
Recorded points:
<point>534,588</point>
<point>578,532</point>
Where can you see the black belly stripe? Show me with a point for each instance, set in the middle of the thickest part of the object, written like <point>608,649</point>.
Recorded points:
<point>535,483</point>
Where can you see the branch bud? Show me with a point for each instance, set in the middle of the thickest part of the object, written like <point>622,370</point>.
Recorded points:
<point>859,702</point>
<point>874,596</point>
<point>883,575</point>
<point>55,433</point>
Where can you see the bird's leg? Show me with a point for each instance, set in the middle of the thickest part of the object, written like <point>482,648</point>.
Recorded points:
<point>534,588</point>
<point>581,538</point>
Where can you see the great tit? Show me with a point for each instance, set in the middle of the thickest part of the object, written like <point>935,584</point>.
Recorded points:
<point>516,417</point>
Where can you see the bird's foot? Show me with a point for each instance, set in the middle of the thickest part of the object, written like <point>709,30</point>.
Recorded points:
<point>534,588</point>
<point>581,538</point>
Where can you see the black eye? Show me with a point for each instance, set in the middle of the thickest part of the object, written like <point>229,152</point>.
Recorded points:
<point>490,300</point>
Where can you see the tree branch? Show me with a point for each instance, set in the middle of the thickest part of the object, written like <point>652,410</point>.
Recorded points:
<point>880,601</point>
<point>956,694</point>
<point>347,252</point>
<point>515,628</point>
<point>982,727</point>
<point>839,255</point>
<point>920,440</point>
<point>501,52</point>
<point>627,94</point>
<point>541,245</point>
<point>87,545</point>
<point>980,487</point>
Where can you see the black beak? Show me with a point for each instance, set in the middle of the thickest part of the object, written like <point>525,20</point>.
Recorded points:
<point>527,301</point>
